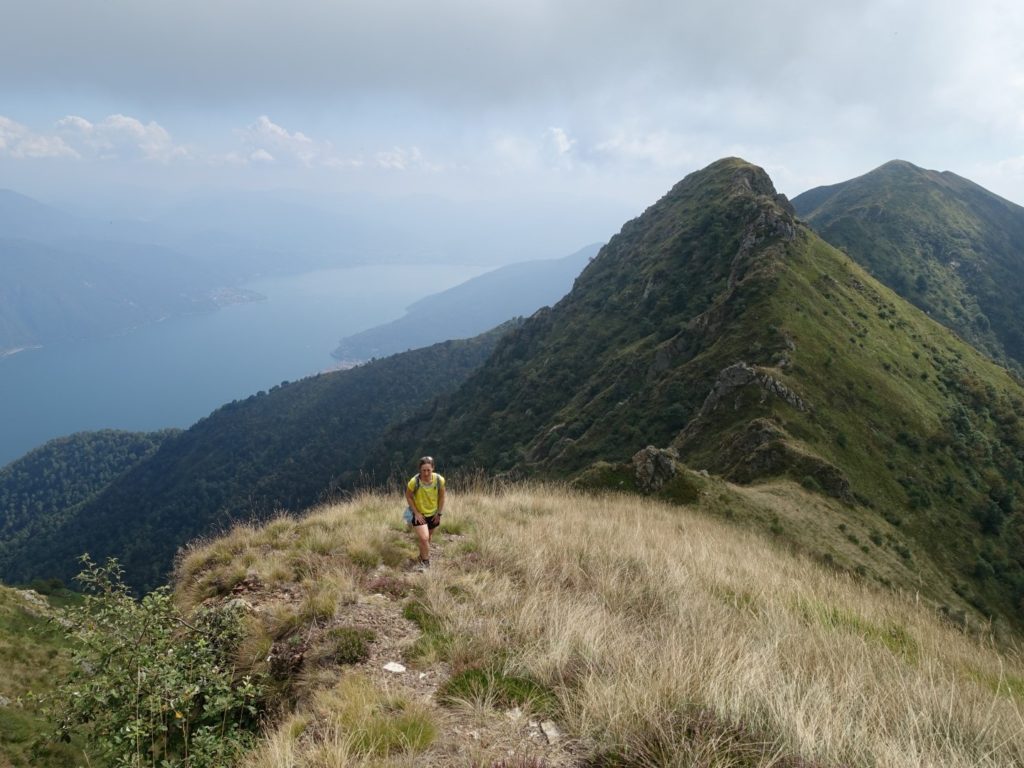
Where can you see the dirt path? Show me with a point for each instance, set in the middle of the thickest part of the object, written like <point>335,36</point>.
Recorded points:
<point>468,735</point>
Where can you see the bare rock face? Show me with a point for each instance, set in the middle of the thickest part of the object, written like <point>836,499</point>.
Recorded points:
<point>653,467</point>
<point>739,375</point>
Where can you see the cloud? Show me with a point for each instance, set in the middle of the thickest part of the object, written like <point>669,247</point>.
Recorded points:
<point>120,137</point>
<point>402,159</point>
<point>268,142</point>
<point>662,149</point>
<point>265,141</point>
<point>266,138</point>
<point>590,90</point>
<point>20,142</point>
<point>561,141</point>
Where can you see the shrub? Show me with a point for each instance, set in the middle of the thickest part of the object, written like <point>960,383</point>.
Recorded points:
<point>153,687</point>
<point>350,645</point>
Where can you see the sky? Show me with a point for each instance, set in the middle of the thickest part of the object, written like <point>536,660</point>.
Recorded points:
<point>579,111</point>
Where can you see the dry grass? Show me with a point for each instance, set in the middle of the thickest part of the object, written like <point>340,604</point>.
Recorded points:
<point>663,638</point>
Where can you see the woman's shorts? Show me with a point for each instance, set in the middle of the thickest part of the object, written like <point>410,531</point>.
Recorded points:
<point>432,522</point>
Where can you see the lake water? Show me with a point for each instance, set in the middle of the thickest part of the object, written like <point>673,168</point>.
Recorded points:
<point>172,373</point>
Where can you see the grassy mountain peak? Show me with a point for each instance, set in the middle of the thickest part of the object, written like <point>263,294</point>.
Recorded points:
<point>593,378</point>
<point>949,246</point>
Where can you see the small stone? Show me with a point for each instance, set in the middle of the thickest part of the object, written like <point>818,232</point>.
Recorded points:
<point>514,714</point>
<point>4,701</point>
<point>394,666</point>
<point>475,735</point>
<point>422,675</point>
<point>551,732</point>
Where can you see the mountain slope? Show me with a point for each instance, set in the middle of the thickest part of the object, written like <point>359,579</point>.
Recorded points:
<point>622,361</point>
<point>34,652</point>
<point>563,629</point>
<point>951,247</point>
<point>40,489</point>
<point>718,323</point>
<point>483,302</point>
<point>276,450</point>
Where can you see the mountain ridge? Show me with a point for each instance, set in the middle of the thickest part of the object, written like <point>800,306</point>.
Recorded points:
<point>281,449</point>
<point>946,244</point>
<point>840,385</point>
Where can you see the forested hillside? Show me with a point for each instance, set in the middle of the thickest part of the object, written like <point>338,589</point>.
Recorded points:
<point>39,491</point>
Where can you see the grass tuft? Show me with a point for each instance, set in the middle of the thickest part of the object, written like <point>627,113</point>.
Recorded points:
<point>496,689</point>
<point>350,645</point>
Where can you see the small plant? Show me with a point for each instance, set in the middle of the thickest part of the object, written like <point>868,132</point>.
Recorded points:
<point>350,645</point>
<point>388,585</point>
<point>497,689</point>
<point>434,643</point>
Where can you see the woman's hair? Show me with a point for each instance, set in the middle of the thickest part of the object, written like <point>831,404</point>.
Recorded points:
<point>427,460</point>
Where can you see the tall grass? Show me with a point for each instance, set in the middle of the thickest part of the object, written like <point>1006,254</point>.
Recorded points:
<point>659,637</point>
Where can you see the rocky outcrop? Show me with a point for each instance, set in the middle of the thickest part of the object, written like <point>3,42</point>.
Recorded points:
<point>763,449</point>
<point>740,375</point>
<point>653,467</point>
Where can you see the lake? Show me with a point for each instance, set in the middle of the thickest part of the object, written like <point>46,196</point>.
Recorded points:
<point>170,374</point>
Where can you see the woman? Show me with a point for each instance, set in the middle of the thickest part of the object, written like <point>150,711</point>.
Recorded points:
<point>425,495</point>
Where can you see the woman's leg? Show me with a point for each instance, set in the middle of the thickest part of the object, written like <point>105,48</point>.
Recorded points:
<point>423,539</point>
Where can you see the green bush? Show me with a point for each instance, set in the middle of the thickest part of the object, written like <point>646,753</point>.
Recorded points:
<point>350,645</point>
<point>150,686</point>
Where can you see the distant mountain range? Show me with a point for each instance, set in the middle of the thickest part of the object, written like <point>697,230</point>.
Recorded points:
<point>950,247</point>
<point>718,325</point>
<point>471,307</point>
<point>66,278</point>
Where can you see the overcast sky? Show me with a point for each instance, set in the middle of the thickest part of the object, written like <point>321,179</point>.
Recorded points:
<point>553,103</point>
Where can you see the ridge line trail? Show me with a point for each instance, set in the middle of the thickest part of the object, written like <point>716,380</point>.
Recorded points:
<point>468,733</point>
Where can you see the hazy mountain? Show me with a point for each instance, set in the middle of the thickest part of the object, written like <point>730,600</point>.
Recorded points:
<point>50,294</point>
<point>719,324</point>
<point>64,277</point>
<point>946,244</point>
<point>472,307</point>
<point>278,450</point>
